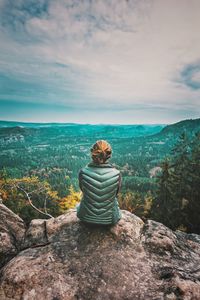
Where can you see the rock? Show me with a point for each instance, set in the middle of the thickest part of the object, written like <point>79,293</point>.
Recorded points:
<point>12,230</point>
<point>64,259</point>
<point>36,234</point>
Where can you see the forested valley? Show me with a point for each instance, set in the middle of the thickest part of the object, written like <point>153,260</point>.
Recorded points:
<point>160,167</point>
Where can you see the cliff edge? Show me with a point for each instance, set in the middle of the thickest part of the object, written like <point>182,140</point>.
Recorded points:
<point>63,259</point>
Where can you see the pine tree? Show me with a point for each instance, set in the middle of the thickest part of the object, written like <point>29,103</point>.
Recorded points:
<point>163,203</point>
<point>180,187</point>
<point>177,200</point>
<point>180,165</point>
<point>192,210</point>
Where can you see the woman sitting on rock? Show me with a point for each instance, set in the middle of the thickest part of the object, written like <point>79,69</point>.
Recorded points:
<point>100,183</point>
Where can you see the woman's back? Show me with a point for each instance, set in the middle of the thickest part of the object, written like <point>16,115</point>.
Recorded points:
<point>99,182</point>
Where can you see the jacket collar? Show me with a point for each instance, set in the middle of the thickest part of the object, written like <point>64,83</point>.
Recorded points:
<point>106,165</point>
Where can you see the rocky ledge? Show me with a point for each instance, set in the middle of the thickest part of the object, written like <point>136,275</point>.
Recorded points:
<point>64,259</point>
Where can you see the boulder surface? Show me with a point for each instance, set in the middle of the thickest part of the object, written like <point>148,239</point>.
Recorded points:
<point>65,259</point>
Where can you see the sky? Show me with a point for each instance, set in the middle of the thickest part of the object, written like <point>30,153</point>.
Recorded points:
<point>100,61</point>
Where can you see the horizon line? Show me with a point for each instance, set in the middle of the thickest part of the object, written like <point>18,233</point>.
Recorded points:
<point>78,123</point>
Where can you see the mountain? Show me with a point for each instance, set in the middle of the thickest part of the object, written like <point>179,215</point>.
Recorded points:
<point>110,130</point>
<point>189,126</point>
<point>134,130</point>
<point>15,130</point>
<point>32,125</point>
<point>64,259</point>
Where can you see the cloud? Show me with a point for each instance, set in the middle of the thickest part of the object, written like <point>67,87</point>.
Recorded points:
<point>101,54</point>
<point>190,76</point>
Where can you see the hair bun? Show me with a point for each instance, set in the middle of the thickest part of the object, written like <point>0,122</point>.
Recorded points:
<point>101,151</point>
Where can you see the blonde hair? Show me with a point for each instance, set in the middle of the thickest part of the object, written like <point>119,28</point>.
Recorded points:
<point>101,151</point>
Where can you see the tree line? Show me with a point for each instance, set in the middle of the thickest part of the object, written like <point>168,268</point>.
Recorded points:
<point>177,199</point>
<point>173,198</point>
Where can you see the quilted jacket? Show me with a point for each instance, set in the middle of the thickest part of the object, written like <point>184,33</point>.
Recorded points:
<point>100,185</point>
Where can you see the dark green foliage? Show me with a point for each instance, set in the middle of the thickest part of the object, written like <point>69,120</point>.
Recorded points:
<point>177,199</point>
<point>192,210</point>
<point>138,184</point>
<point>191,126</point>
<point>163,204</point>
<point>55,153</point>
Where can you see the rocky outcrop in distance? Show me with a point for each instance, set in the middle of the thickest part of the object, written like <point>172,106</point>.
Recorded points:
<point>64,259</point>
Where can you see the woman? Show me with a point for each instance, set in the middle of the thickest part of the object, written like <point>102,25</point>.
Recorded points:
<point>100,183</point>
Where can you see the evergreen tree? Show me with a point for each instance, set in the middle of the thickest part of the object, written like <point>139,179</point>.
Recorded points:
<point>192,210</point>
<point>163,204</point>
<point>180,169</point>
<point>177,200</point>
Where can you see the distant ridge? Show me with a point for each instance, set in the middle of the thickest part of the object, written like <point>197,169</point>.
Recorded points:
<point>118,130</point>
<point>32,124</point>
<point>189,125</point>
<point>16,130</point>
<point>50,124</point>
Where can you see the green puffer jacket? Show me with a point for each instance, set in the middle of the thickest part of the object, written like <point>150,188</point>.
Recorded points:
<point>100,185</point>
